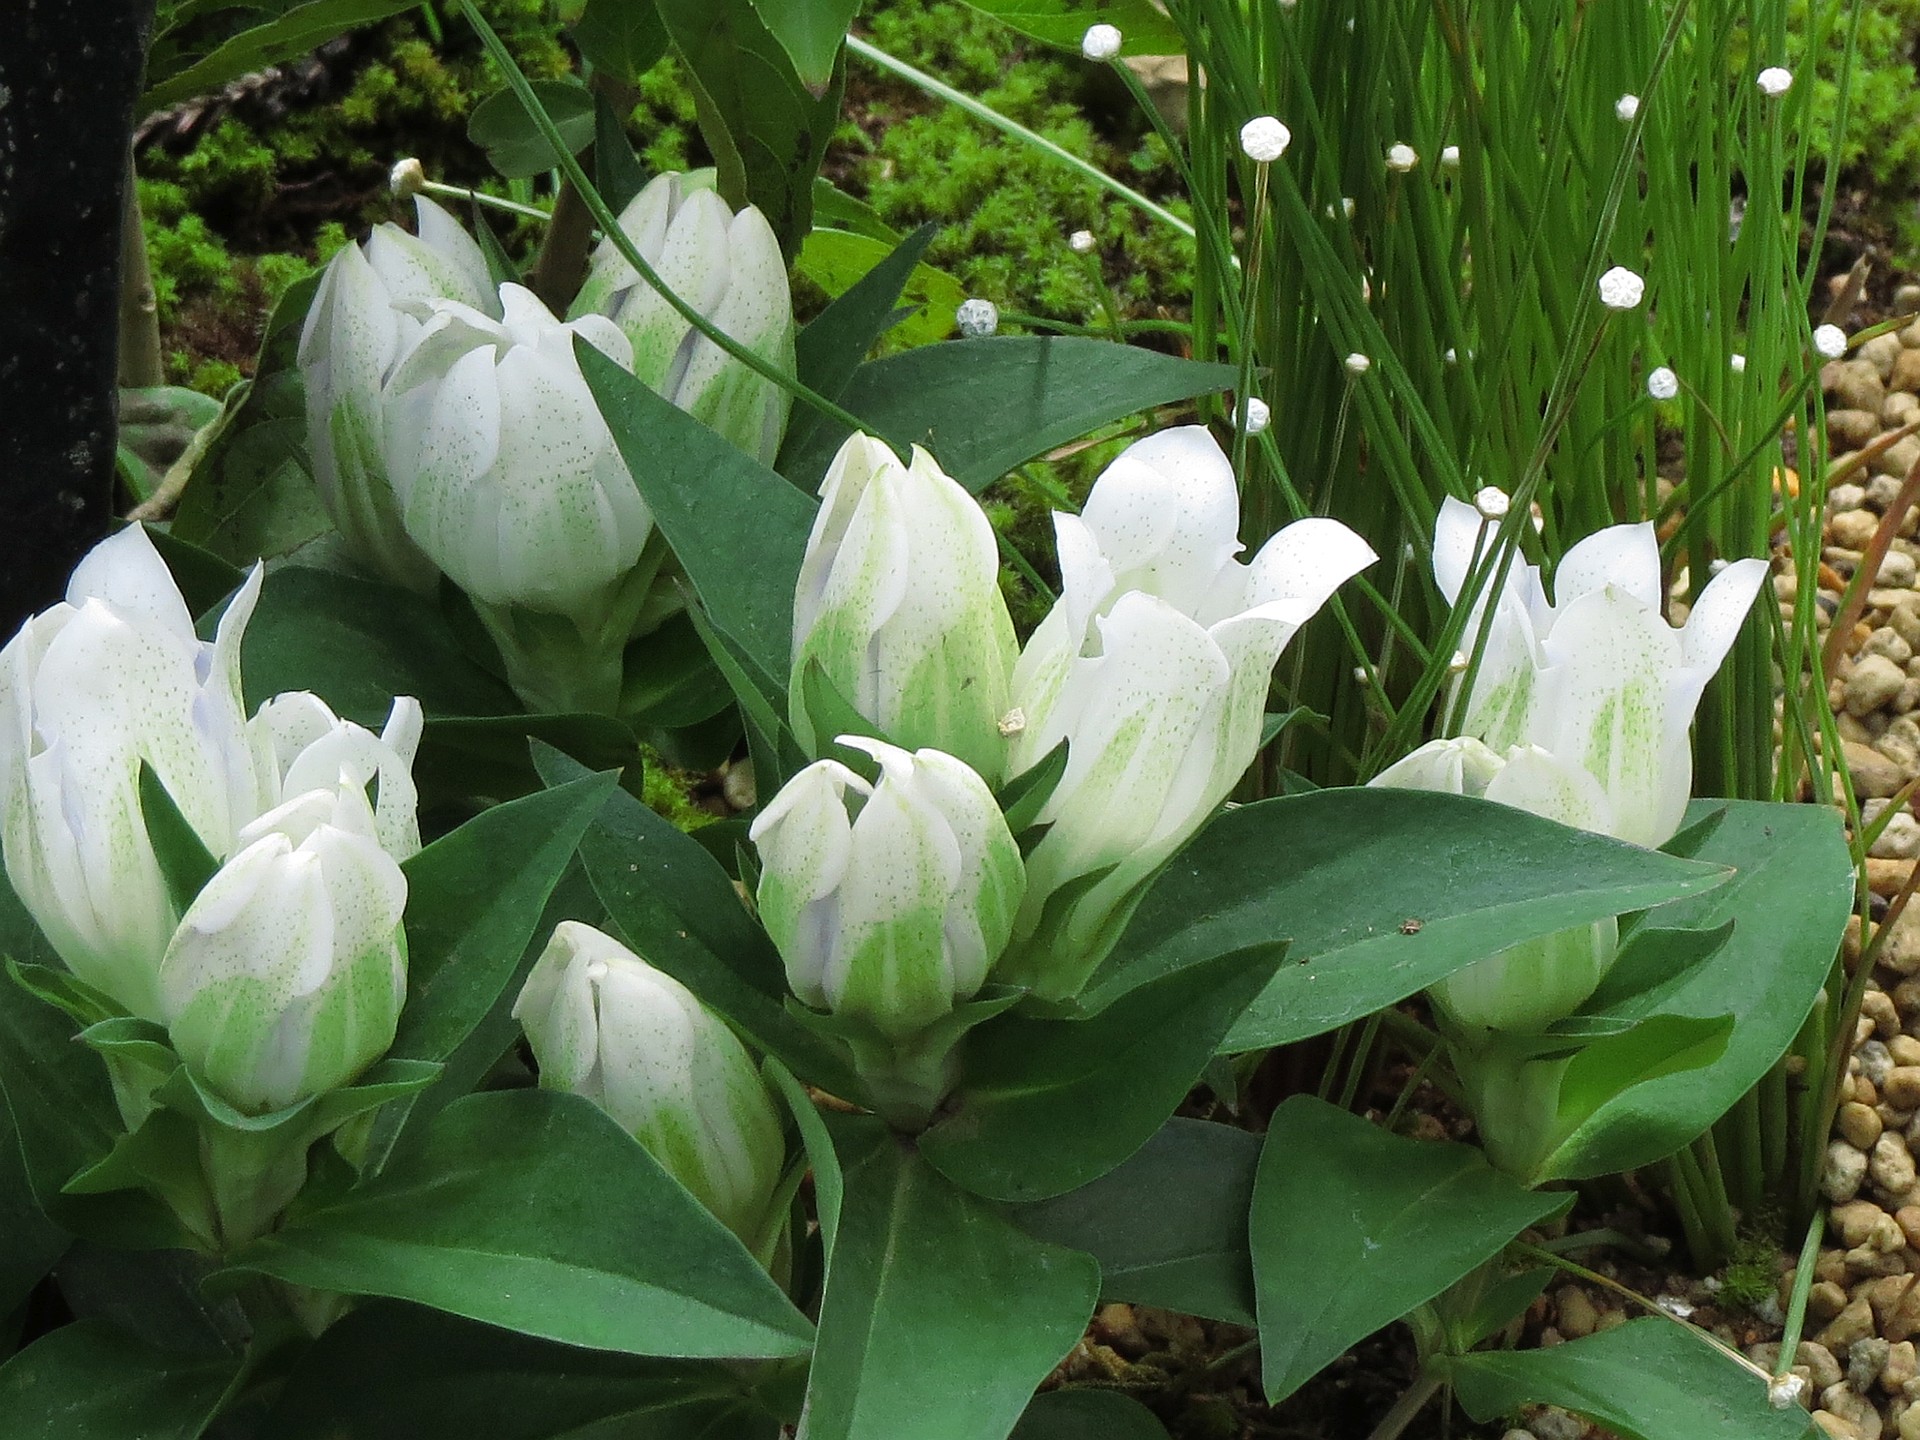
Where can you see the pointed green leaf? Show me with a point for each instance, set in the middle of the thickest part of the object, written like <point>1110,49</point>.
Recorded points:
<point>90,1380</point>
<point>532,1210</point>
<point>185,862</point>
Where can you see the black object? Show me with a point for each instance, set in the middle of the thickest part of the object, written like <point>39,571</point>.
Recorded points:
<point>69,74</point>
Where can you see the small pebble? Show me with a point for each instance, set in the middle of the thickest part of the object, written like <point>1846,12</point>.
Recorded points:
<point>1892,1165</point>
<point>1859,1124</point>
<point>1577,1317</point>
<point>1853,528</point>
<point>1875,680</point>
<point>1846,1167</point>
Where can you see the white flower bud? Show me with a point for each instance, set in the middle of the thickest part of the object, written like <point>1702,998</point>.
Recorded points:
<point>1358,364</point>
<point>1101,42</point>
<point>1265,139</point>
<point>890,901</point>
<point>1830,341</point>
<point>407,178</point>
<point>977,318</point>
<point>1774,81</point>
<point>899,604</point>
<point>1621,288</point>
<point>1450,157</point>
<point>1737,363</point>
<point>1492,502</point>
<point>605,1024</point>
<point>1402,158</point>
<point>1257,415</point>
<point>1662,383</point>
<point>1081,242</point>
<point>1626,107</point>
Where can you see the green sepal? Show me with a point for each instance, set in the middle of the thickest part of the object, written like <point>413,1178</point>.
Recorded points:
<point>1023,797</point>
<point>65,992</point>
<point>185,862</point>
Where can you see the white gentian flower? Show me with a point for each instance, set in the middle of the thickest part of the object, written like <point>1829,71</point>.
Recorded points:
<point>1626,107</point>
<point>899,603</point>
<point>1774,81</point>
<point>977,318</point>
<point>1264,139</point>
<point>605,1024</point>
<point>365,317</point>
<point>1596,677</point>
<point>510,481</point>
<point>1153,666</point>
<point>1621,289</point>
<point>1662,383</point>
<point>890,901</point>
<point>729,268</point>
<point>1830,341</point>
<point>1402,157</point>
<point>1101,42</point>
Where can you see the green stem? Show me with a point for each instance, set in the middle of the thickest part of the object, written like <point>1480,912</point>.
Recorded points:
<point>1802,1286</point>
<point>1411,1402</point>
<point>988,115</point>
<point>141,364</point>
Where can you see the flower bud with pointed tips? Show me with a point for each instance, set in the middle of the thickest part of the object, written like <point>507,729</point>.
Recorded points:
<point>889,902</point>
<point>728,267</point>
<point>899,604</point>
<point>605,1024</point>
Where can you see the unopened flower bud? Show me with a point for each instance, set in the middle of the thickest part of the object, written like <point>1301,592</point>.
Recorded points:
<point>1626,107</point>
<point>1621,288</point>
<point>978,319</point>
<point>1830,341</point>
<point>1265,139</point>
<point>1662,383</point>
<point>1774,81</point>
<point>407,178</point>
<point>1101,42</point>
<point>1402,158</point>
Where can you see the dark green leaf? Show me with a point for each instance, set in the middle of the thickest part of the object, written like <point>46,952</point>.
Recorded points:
<point>1381,892</point>
<point>810,31</point>
<point>250,494</point>
<point>671,902</point>
<point>1789,900</point>
<point>33,1242</point>
<point>1087,1415</point>
<point>1144,27</point>
<point>390,1371</point>
<point>831,347</point>
<point>625,39</point>
<point>985,406</point>
<point>1169,1224</point>
<point>286,37</point>
<point>1647,1380</point>
<point>1352,1227</point>
<point>617,172</point>
<point>501,126</point>
<point>939,1317</point>
<point>924,305</point>
<point>185,862</point>
<point>91,1382</point>
<point>1049,1105</point>
<point>828,1186</point>
<point>203,577</point>
<point>739,530</point>
<point>834,207</point>
<point>500,267</point>
<point>766,130</point>
<point>1023,797</point>
<point>357,644</point>
<point>671,680</point>
<point>473,899</point>
<point>1653,963</point>
<point>488,754</point>
<point>532,1210</point>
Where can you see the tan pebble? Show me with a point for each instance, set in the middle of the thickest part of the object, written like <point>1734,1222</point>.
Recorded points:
<point>1883,353</point>
<point>1854,1322</point>
<point>1865,1094</point>
<point>1892,1117</point>
<point>1896,409</point>
<point>1901,1088</point>
<point>1845,1401</point>
<point>1862,1031</point>
<point>1831,1264</point>
<point>1910,1424</point>
<point>1870,1262</point>
<point>1856,1220</point>
<point>1903,1364</point>
<point>1904,1049</point>
<point>1822,1369</point>
<point>1891,1165</point>
<point>1845,1168</point>
<point>1900,951</point>
<point>1853,529</point>
<point>1900,1320</point>
<point>1906,620</point>
<point>1887,644</point>
<point>1834,1427</point>
<point>1576,1314</point>
<point>1860,1124</point>
<point>1850,429</point>
<point>1878,1007</point>
<point>1874,775</point>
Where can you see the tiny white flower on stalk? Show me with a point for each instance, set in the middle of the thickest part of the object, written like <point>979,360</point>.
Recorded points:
<point>1265,139</point>
<point>1784,1391</point>
<point>1450,157</point>
<point>407,178</point>
<point>605,1024</point>
<point>1153,666</point>
<point>1737,363</point>
<point>1258,415</point>
<point>976,318</point>
<point>1081,242</point>
<point>1830,341</point>
<point>1774,81</point>
<point>888,901</point>
<point>1402,157</point>
<point>898,604</point>
<point>1358,364</point>
<point>1101,42</point>
<point>1492,502</point>
<point>1621,288</point>
<point>1662,383</point>
<point>1626,107</point>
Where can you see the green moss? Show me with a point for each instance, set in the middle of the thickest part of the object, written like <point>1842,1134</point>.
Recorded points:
<point>1882,143</point>
<point>667,790</point>
<point>1753,1272</point>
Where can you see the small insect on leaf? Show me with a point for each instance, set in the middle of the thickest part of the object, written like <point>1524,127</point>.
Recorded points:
<point>1411,926</point>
